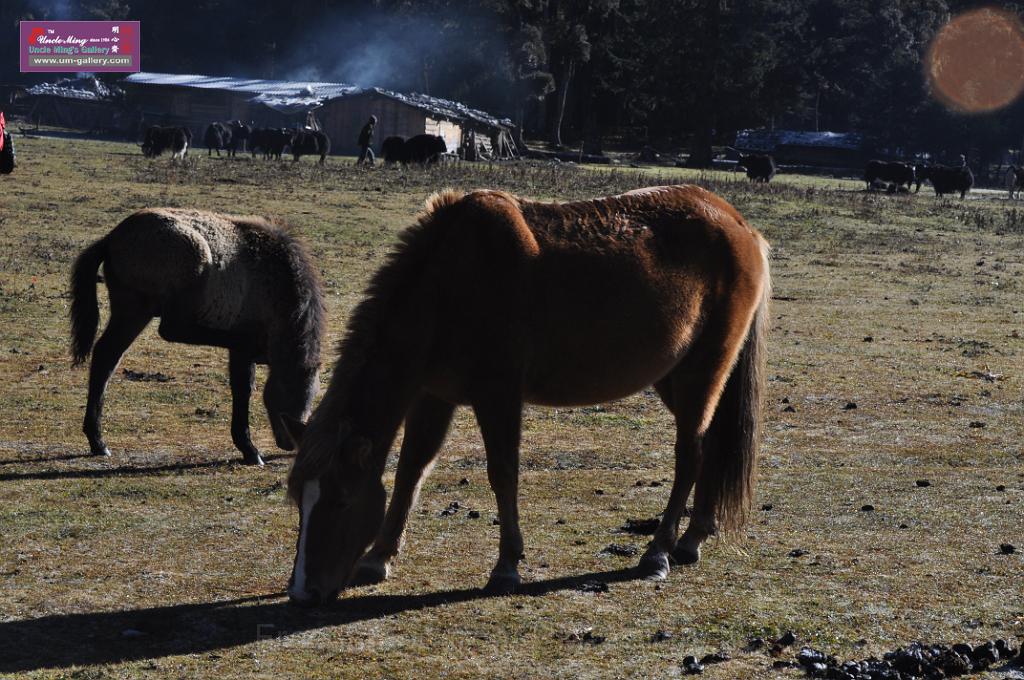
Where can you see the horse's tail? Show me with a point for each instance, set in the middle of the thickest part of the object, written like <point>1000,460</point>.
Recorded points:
<point>733,437</point>
<point>85,311</point>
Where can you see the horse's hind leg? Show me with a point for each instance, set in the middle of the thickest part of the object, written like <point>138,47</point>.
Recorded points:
<point>242,375</point>
<point>124,326</point>
<point>677,391</point>
<point>697,384</point>
<point>425,429</point>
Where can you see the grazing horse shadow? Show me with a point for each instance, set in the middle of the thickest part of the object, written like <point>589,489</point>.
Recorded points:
<point>120,470</point>
<point>98,638</point>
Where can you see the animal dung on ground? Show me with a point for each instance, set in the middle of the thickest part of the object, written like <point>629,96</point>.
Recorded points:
<point>641,527</point>
<point>1001,487</point>
<point>715,657</point>
<point>789,409</point>
<point>582,636</point>
<point>1007,549</point>
<point>452,508</point>
<point>923,483</point>
<point>661,636</point>
<point>473,514</point>
<point>619,550</point>
<point>142,376</point>
<point>867,508</point>
<point>850,405</point>
<point>976,424</point>
<point>464,481</point>
<point>767,506</point>
<point>917,660</point>
<point>593,586</point>
<point>691,666</point>
<point>786,639</point>
<point>797,552</point>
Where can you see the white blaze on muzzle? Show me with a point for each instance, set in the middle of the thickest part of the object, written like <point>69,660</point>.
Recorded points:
<point>310,495</point>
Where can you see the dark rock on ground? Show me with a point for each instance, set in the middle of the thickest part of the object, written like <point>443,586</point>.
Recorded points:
<point>641,527</point>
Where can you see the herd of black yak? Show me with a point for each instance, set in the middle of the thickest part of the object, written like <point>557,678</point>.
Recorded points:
<point>234,136</point>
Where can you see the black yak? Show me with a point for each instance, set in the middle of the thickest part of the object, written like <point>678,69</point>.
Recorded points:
<point>422,149</point>
<point>946,180</point>
<point>895,174</point>
<point>759,167</point>
<point>310,142</point>
<point>161,138</point>
<point>393,149</point>
<point>271,141</point>
<point>240,133</point>
<point>1018,180</point>
<point>217,137</point>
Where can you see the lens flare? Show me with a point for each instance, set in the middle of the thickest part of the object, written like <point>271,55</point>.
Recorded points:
<point>976,61</point>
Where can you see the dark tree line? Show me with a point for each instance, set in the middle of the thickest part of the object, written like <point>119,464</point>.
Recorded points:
<point>671,73</point>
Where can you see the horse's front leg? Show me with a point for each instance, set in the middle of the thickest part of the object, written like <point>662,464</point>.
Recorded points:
<point>425,429</point>
<point>500,419</point>
<point>242,376</point>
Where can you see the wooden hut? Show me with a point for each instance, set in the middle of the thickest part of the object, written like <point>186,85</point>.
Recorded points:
<point>342,110</point>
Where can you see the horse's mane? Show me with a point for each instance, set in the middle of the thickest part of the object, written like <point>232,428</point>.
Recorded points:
<point>310,316</point>
<point>401,269</point>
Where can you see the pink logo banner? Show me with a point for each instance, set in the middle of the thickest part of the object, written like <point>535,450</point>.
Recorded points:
<point>80,46</point>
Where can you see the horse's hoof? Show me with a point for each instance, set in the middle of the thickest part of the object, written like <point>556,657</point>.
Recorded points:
<point>101,450</point>
<point>369,573</point>
<point>685,554</point>
<point>653,567</point>
<point>502,584</point>
<point>252,459</point>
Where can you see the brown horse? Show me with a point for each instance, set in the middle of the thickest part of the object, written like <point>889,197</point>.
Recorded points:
<point>494,301</point>
<point>241,283</point>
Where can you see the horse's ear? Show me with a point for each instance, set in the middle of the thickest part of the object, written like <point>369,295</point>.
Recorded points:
<point>294,427</point>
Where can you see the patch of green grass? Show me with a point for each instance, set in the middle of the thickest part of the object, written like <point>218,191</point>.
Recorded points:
<point>173,539</point>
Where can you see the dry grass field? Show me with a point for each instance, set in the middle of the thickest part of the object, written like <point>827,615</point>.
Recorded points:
<point>896,355</point>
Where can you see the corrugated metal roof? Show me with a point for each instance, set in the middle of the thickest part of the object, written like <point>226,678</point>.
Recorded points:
<point>769,140</point>
<point>290,96</point>
<point>282,89</point>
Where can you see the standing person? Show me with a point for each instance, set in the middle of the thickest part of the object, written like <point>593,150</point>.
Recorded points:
<point>366,142</point>
<point>6,148</point>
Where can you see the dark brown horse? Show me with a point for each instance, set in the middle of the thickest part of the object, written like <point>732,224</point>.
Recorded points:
<point>241,283</point>
<point>494,301</point>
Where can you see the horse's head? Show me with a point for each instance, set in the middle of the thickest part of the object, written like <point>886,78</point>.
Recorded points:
<point>289,394</point>
<point>336,483</point>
